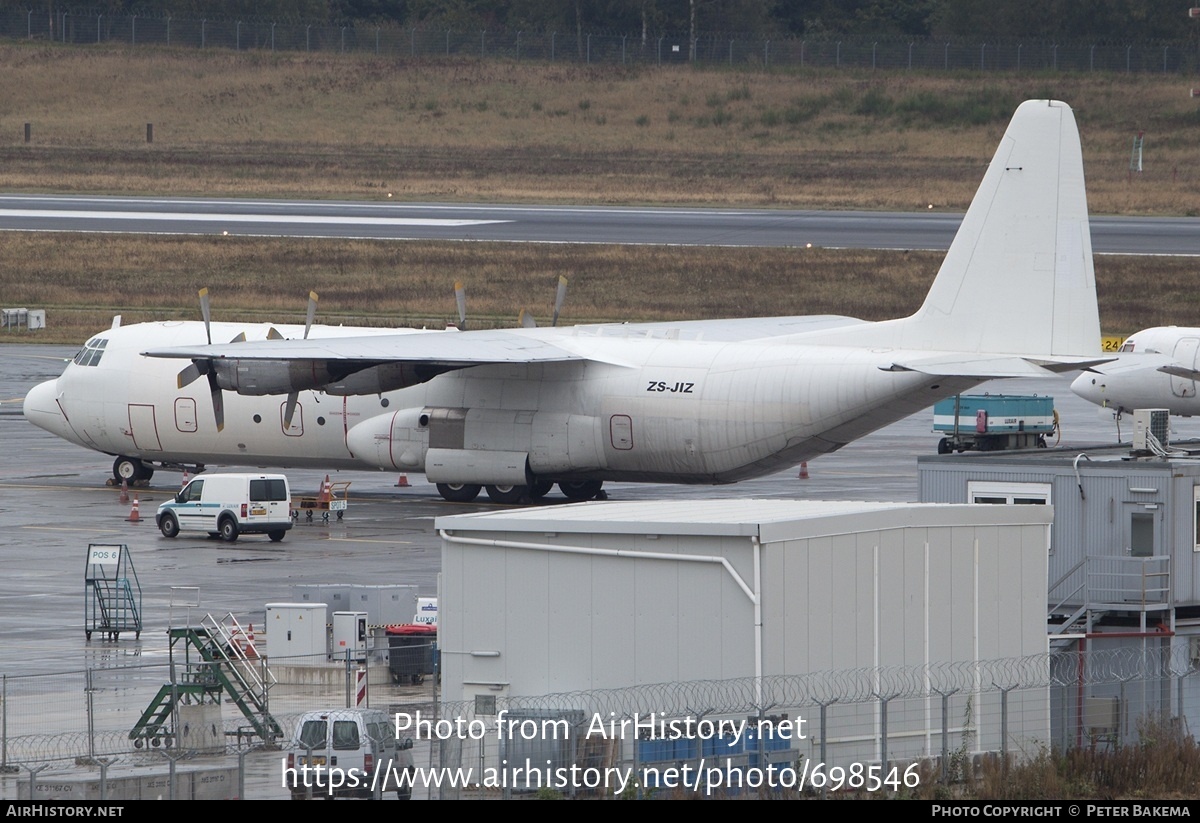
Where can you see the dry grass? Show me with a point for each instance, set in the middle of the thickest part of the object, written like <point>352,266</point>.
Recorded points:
<point>355,126</point>
<point>84,279</point>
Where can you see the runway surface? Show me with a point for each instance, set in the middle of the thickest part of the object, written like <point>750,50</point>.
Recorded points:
<point>551,224</point>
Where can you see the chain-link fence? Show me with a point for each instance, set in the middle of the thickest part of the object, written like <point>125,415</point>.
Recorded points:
<point>933,722</point>
<point>860,52</point>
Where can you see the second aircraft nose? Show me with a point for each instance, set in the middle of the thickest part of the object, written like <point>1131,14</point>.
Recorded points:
<point>42,410</point>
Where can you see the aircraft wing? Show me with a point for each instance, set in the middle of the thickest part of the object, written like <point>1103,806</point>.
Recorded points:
<point>471,348</point>
<point>990,367</point>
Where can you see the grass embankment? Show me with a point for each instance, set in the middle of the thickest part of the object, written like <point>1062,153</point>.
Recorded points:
<point>360,126</point>
<point>83,280</point>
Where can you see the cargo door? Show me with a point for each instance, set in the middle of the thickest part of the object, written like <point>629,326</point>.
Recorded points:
<point>1185,354</point>
<point>143,428</point>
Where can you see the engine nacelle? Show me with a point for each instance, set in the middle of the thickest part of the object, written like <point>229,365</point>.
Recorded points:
<point>380,379</point>
<point>259,377</point>
<point>394,441</point>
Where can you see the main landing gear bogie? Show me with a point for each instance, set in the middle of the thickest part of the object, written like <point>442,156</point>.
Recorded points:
<point>576,490</point>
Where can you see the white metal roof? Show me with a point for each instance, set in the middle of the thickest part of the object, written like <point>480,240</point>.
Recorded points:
<point>770,520</point>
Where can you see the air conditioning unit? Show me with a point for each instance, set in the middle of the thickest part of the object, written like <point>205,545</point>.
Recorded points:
<point>1150,423</point>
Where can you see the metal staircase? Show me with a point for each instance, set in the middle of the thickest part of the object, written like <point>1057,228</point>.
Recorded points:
<point>215,659</point>
<point>112,594</point>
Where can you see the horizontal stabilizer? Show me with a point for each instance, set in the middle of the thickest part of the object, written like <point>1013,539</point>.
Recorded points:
<point>984,367</point>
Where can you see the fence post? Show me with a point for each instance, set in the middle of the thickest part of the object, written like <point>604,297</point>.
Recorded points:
<point>33,773</point>
<point>1004,723</point>
<point>133,31</point>
<point>241,784</point>
<point>4,768</point>
<point>91,718</point>
<point>824,738</point>
<point>104,761</point>
<point>883,727</point>
<point>945,731</point>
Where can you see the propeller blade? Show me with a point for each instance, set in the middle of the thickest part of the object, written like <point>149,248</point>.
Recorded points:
<point>312,311</point>
<point>190,374</point>
<point>206,313</point>
<point>526,320</point>
<point>460,297</point>
<point>559,298</point>
<point>290,410</point>
<point>218,401</point>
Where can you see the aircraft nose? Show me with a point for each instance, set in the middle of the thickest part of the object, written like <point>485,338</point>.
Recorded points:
<point>1091,387</point>
<point>41,409</point>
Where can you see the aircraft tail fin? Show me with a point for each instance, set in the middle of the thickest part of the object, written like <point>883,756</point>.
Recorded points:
<point>1018,278</point>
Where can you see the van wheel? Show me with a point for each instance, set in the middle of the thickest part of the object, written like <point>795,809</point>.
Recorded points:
<point>276,535</point>
<point>229,530</point>
<point>169,525</point>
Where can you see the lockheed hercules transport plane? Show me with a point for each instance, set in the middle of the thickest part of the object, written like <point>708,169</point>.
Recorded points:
<point>516,411</point>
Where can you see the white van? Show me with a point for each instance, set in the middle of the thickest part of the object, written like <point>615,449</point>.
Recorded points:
<point>346,751</point>
<point>227,505</point>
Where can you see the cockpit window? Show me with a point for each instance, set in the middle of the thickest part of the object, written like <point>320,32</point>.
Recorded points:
<point>1127,347</point>
<point>91,352</point>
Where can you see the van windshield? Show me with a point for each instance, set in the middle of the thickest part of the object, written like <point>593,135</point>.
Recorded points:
<point>266,491</point>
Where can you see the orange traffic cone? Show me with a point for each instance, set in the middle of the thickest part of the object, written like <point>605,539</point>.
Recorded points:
<point>804,471</point>
<point>251,652</point>
<point>134,517</point>
<point>326,491</point>
<point>403,483</point>
<point>124,491</point>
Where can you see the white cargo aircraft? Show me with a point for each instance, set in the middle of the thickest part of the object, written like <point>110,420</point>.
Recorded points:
<point>515,411</point>
<point>1155,369</point>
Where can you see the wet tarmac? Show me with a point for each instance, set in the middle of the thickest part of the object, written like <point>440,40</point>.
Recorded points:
<point>54,501</point>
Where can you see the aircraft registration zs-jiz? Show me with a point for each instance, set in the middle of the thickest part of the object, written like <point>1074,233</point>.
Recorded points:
<point>517,410</point>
